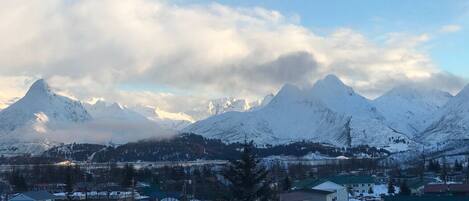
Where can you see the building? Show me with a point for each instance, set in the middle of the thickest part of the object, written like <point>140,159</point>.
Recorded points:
<point>325,185</point>
<point>355,184</point>
<point>425,198</point>
<point>34,196</point>
<point>447,189</point>
<point>308,195</point>
<point>416,187</point>
<point>341,191</point>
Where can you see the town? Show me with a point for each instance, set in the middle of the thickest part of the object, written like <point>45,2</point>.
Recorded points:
<point>345,179</point>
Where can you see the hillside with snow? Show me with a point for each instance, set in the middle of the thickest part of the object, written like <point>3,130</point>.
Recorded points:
<point>328,112</point>
<point>450,123</point>
<point>408,109</point>
<point>23,123</point>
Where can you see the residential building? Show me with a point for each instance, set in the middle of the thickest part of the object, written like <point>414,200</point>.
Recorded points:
<point>354,183</point>
<point>325,185</point>
<point>447,189</point>
<point>34,196</point>
<point>426,198</point>
<point>308,195</point>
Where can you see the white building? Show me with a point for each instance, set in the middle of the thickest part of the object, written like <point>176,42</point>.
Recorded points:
<point>34,196</point>
<point>340,191</point>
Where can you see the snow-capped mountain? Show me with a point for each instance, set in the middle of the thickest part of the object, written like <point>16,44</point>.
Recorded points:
<point>329,112</point>
<point>102,110</point>
<point>289,117</point>
<point>450,123</point>
<point>408,108</point>
<point>23,123</point>
<point>176,121</point>
<point>255,105</point>
<point>222,105</point>
<point>41,104</point>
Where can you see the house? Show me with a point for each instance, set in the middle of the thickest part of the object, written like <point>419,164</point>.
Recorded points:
<point>34,196</point>
<point>416,187</point>
<point>325,185</point>
<point>308,195</point>
<point>425,198</point>
<point>341,191</point>
<point>354,183</point>
<point>447,189</point>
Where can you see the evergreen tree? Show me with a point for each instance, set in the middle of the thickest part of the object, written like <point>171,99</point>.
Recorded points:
<point>287,184</point>
<point>391,189</point>
<point>68,182</point>
<point>128,176</point>
<point>248,178</point>
<point>370,191</point>
<point>457,166</point>
<point>18,181</point>
<point>444,171</point>
<point>404,189</point>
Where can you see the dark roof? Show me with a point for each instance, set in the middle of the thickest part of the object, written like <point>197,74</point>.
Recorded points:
<point>39,195</point>
<point>339,179</point>
<point>442,188</point>
<point>351,179</point>
<point>425,198</point>
<point>317,191</point>
<point>301,194</point>
<point>308,183</point>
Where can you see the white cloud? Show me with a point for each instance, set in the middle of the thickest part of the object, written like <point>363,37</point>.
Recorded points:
<point>450,28</point>
<point>90,48</point>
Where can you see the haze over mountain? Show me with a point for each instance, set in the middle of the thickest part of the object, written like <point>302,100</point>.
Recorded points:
<point>328,112</point>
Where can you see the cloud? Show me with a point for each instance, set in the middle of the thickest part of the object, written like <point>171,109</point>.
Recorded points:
<point>450,28</point>
<point>90,48</point>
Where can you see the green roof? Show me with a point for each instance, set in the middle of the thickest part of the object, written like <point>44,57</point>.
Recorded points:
<point>426,198</point>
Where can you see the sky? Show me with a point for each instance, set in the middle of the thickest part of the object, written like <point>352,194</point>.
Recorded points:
<point>176,55</point>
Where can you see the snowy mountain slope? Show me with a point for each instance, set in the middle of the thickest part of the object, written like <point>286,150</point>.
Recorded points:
<point>343,99</point>
<point>328,112</point>
<point>102,110</point>
<point>450,123</point>
<point>289,117</point>
<point>408,108</point>
<point>255,105</point>
<point>23,123</point>
<point>222,105</point>
<point>41,104</point>
<point>176,121</point>
<point>367,125</point>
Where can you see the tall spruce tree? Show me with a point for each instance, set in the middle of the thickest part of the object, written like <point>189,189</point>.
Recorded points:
<point>18,181</point>
<point>68,180</point>
<point>404,188</point>
<point>128,176</point>
<point>391,189</point>
<point>248,178</point>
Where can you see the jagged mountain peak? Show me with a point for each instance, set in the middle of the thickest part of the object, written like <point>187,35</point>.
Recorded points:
<point>288,91</point>
<point>333,84</point>
<point>43,101</point>
<point>39,87</point>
